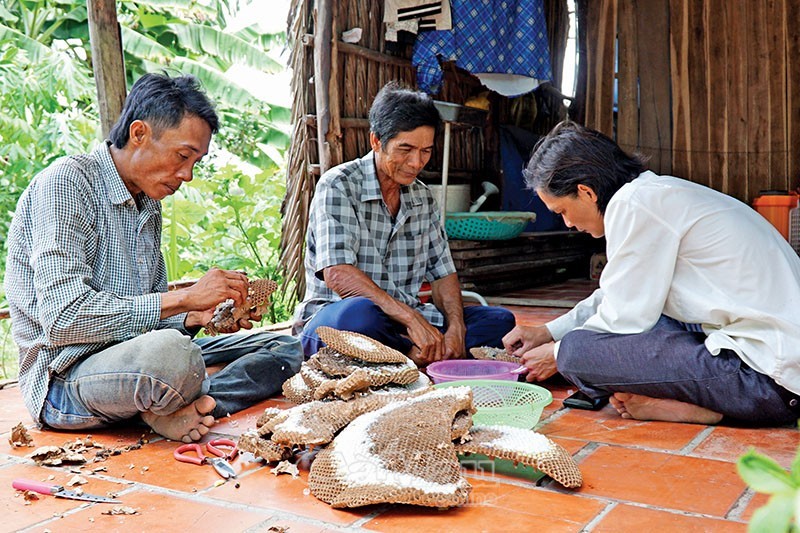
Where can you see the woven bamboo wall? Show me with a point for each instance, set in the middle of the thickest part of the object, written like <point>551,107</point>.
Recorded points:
<point>361,75</point>
<point>357,72</point>
<point>710,90</point>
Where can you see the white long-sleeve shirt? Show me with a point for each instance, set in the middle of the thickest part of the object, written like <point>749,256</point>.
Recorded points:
<point>699,256</point>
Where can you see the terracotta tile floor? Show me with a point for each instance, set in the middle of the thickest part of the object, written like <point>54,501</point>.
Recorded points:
<point>638,476</point>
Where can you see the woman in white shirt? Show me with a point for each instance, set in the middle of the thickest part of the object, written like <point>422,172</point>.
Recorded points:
<point>698,312</point>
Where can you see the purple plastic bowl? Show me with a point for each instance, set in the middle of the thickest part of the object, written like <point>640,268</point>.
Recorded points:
<point>458,369</point>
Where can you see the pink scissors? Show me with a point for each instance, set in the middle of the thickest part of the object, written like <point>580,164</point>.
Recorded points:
<point>219,459</point>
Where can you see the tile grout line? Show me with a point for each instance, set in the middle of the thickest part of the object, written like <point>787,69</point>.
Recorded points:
<point>696,441</point>
<point>58,516</point>
<point>371,516</point>
<point>201,496</point>
<point>681,512</point>
<point>740,505</point>
<point>600,516</point>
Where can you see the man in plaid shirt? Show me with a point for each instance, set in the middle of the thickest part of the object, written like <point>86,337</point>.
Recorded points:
<point>100,338</point>
<point>374,236</point>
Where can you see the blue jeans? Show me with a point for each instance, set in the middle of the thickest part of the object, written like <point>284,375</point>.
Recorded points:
<point>163,371</point>
<point>671,361</point>
<point>486,326</point>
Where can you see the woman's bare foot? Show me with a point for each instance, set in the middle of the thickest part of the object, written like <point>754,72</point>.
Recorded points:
<point>187,424</point>
<point>641,407</point>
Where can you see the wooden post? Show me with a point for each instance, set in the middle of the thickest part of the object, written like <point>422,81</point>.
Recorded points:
<point>322,77</point>
<point>577,110</point>
<point>333,137</point>
<point>107,60</point>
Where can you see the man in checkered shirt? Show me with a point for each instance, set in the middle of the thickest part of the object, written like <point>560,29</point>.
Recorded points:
<point>100,338</point>
<point>374,236</point>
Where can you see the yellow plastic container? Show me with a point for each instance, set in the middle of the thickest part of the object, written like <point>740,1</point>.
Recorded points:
<point>775,207</point>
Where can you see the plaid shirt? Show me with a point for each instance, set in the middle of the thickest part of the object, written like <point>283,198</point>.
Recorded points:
<point>349,224</point>
<point>84,269</point>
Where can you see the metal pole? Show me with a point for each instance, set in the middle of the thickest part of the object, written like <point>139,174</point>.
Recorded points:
<point>445,168</point>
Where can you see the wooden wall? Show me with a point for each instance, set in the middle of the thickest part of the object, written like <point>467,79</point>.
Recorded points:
<point>334,84</point>
<point>709,90</point>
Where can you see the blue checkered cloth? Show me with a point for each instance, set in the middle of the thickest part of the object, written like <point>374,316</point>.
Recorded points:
<point>494,36</point>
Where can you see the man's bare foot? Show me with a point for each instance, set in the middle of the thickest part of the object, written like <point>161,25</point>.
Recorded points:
<point>187,424</point>
<point>641,407</point>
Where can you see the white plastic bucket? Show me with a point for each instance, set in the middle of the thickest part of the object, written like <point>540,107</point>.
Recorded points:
<point>457,197</point>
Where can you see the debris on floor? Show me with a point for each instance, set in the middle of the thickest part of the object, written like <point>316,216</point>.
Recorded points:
<point>72,453</point>
<point>120,509</point>
<point>20,437</point>
<point>285,467</point>
<point>77,480</point>
<point>55,456</point>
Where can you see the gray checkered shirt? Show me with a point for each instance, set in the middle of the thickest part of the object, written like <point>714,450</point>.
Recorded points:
<point>84,269</point>
<point>349,224</point>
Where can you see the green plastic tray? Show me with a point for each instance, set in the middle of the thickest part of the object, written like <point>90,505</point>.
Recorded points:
<point>505,403</point>
<point>486,225</point>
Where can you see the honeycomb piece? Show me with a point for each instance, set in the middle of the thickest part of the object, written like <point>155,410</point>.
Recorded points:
<point>527,447</point>
<point>333,363</point>
<point>312,377</point>
<point>315,423</point>
<point>297,391</point>
<point>493,354</point>
<point>401,453</point>
<point>359,346</point>
<point>268,414</point>
<point>227,314</point>
<point>263,447</point>
<point>462,424</point>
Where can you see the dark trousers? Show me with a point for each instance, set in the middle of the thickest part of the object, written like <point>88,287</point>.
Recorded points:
<point>671,361</point>
<point>486,326</point>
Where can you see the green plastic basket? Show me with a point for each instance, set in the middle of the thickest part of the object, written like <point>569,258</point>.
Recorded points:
<point>486,225</point>
<point>505,403</point>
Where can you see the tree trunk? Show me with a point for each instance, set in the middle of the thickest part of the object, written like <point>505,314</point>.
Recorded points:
<point>107,60</point>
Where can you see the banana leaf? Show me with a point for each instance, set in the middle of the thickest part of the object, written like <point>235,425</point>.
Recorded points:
<point>206,40</point>
<point>217,85</point>
<point>143,46</point>
<point>169,5</point>
<point>36,51</point>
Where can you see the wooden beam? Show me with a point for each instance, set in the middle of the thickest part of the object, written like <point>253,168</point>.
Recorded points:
<point>679,68</point>
<point>793,92</point>
<point>717,94</point>
<point>373,55</point>
<point>736,91</point>
<point>698,93</point>
<point>628,78</point>
<point>758,125</point>
<point>107,60</point>
<point>333,135</point>
<point>323,18</point>
<point>655,119</point>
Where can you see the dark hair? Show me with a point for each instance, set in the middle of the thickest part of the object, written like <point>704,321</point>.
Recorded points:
<point>163,102</point>
<point>397,109</point>
<point>571,155</point>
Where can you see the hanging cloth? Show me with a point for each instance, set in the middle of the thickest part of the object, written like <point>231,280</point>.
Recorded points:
<point>415,15</point>
<point>488,37</point>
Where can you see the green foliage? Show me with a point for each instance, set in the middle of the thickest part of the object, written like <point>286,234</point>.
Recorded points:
<point>184,36</point>
<point>47,94</point>
<point>764,475</point>
<point>230,219</point>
